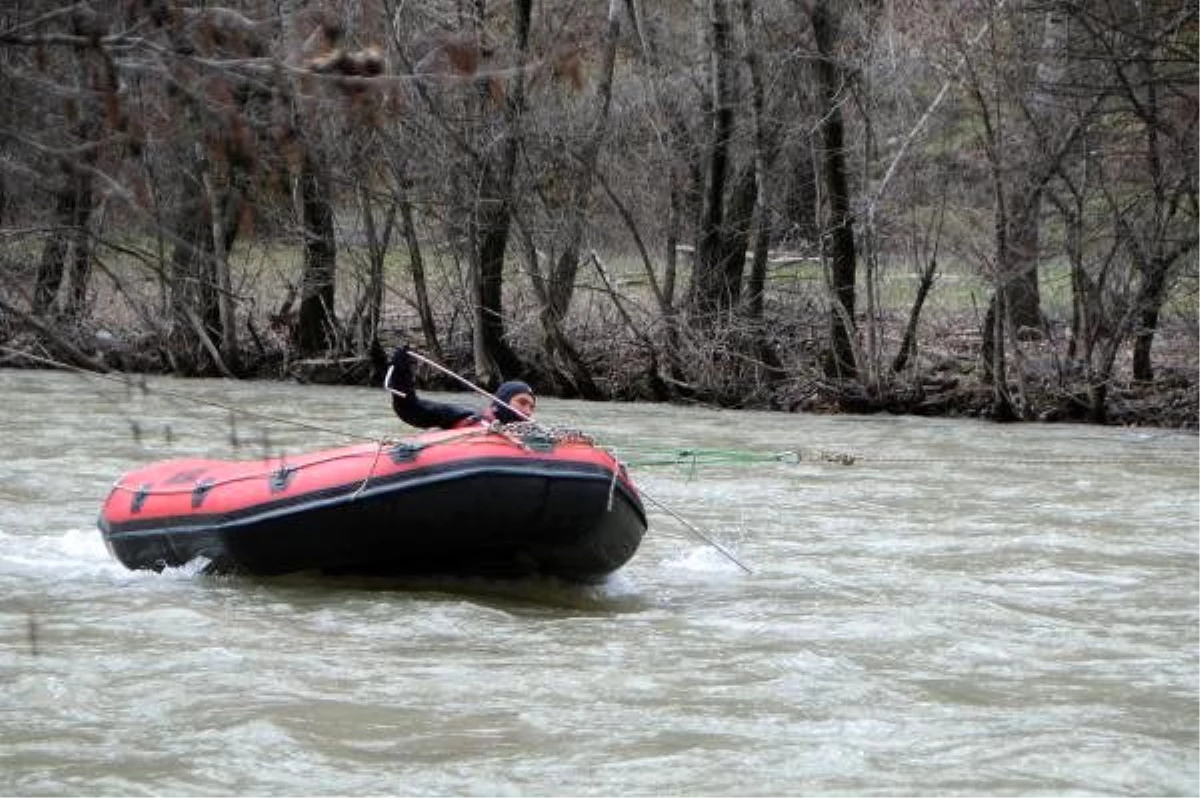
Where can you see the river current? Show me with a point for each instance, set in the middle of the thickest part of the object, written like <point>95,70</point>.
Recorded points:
<point>933,607</point>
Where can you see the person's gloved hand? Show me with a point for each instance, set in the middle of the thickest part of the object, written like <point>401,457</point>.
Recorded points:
<point>401,378</point>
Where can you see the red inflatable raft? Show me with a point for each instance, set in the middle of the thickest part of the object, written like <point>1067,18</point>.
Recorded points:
<point>480,501</point>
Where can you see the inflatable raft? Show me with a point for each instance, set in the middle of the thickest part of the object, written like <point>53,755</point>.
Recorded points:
<point>481,501</point>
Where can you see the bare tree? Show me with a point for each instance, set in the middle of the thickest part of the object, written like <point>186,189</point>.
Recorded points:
<point>1025,144</point>
<point>85,117</point>
<point>728,196</point>
<point>1152,192</point>
<point>555,291</point>
<point>843,267</point>
<point>205,167</point>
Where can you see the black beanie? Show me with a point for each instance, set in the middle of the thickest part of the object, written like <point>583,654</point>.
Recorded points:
<point>505,393</point>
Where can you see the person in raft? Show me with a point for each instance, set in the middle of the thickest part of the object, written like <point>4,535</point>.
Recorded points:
<point>515,401</point>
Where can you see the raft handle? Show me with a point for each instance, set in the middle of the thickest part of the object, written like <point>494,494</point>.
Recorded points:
<point>139,498</point>
<point>405,452</point>
<point>281,476</point>
<point>200,492</point>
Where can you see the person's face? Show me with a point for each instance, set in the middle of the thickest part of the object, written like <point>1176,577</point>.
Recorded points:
<point>523,403</point>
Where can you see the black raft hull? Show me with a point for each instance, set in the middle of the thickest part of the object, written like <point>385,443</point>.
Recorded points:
<point>501,512</point>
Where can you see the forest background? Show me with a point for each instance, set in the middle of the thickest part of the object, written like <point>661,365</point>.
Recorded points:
<point>983,207</point>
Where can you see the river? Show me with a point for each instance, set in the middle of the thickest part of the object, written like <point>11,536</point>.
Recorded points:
<point>934,607</point>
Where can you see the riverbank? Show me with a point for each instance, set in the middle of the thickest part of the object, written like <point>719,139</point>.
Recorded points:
<point>944,383</point>
<point>1047,389</point>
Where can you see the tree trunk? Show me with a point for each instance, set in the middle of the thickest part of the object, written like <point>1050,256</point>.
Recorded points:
<point>841,250</point>
<point>756,286</point>
<point>576,380</point>
<point>735,239</point>
<point>1149,304</point>
<point>908,343</point>
<point>193,296</point>
<point>317,327</point>
<point>709,291</point>
<point>369,308</point>
<point>223,280</point>
<point>51,267</point>
<point>674,234</point>
<point>81,256</point>
<point>494,359</point>
<point>73,211</point>
<point>226,198</point>
<point>492,223</point>
<point>1019,263</point>
<point>994,360</point>
<point>562,276</point>
<point>416,267</point>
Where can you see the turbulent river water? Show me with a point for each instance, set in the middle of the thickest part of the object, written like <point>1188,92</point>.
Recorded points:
<point>934,607</point>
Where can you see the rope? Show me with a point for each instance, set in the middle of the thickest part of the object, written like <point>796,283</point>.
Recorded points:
<point>1163,458</point>
<point>695,530</point>
<point>713,457</point>
<point>187,488</point>
<point>370,472</point>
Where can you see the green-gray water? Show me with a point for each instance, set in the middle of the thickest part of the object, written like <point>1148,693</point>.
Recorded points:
<point>965,609</point>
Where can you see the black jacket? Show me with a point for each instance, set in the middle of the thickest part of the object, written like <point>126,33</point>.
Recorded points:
<point>426,414</point>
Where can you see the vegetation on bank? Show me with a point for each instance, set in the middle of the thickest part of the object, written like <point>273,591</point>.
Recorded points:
<point>943,378</point>
<point>820,206</point>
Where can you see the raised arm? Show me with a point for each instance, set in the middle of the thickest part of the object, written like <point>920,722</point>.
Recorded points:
<point>410,408</point>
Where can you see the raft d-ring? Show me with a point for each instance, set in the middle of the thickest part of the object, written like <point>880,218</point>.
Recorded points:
<point>200,492</point>
<point>281,476</point>
<point>405,452</point>
<point>139,498</point>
